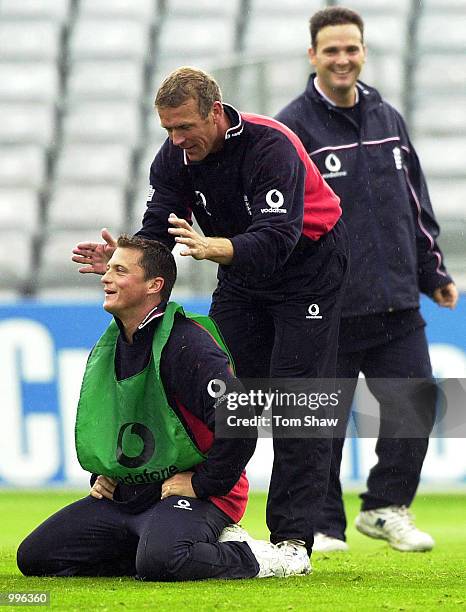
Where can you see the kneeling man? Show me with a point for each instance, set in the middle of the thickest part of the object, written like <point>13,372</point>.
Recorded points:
<point>164,488</point>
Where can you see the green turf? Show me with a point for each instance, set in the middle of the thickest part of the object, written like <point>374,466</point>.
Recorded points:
<point>370,577</point>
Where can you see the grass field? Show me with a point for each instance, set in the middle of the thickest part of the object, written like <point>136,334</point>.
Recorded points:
<point>370,577</point>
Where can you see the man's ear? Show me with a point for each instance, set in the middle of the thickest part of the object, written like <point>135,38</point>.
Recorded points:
<point>217,111</point>
<point>311,55</point>
<point>156,285</point>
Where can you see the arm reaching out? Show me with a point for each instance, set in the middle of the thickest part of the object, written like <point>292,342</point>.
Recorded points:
<point>94,256</point>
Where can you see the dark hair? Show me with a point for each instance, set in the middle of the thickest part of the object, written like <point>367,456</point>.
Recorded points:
<point>156,260</point>
<point>185,83</point>
<point>331,16</point>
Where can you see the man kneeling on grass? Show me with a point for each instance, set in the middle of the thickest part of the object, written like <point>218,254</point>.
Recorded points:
<point>169,493</point>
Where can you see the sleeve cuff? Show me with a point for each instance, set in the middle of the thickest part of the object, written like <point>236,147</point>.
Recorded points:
<point>197,487</point>
<point>241,258</point>
<point>428,283</point>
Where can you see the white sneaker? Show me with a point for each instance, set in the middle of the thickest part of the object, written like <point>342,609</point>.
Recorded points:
<point>325,543</point>
<point>296,558</point>
<point>394,524</point>
<point>234,533</point>
<point>270,559</point>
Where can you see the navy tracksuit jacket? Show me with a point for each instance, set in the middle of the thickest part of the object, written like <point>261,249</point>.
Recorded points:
<point>386,207</point>
<point>372,165</point>
<point>262,192</point>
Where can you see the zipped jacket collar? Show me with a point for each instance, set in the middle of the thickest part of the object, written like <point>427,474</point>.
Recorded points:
<point>370,96</point>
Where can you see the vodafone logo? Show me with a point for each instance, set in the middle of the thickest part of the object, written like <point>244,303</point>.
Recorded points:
<point>216,388</point>
<point>147,439</point>
<point>332,163</point>
<point>274,200</point>
<point>313,312</point>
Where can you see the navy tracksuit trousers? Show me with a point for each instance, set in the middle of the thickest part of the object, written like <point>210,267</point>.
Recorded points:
<point>270,335</point>
<point>395,477</point>
<point>175,539</point>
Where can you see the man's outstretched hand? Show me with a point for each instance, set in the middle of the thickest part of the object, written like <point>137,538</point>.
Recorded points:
<point>195,244</point>
<point>219,250</point>
<point>94,256</point>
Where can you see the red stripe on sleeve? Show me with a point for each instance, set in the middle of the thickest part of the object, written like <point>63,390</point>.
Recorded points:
<point>234,503</point>
<point>321,204</point>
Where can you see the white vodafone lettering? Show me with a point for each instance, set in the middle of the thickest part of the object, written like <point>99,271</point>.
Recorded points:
<point>274,200</point>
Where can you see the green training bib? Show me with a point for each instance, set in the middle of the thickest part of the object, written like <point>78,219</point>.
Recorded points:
<point>126,429</point>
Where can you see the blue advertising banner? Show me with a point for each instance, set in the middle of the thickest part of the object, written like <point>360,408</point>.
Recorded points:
<point>43,351</point>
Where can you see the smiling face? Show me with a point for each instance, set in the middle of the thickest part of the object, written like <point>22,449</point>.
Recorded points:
<point>127,294</point>
<point>338,58</point>
<point>189,130</point>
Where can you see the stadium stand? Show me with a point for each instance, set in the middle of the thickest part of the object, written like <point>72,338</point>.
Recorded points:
<point>299,8</point>
<point>441,117</point>
<point>78,130</point>
<point>27,123</point>
<point>276,33</point>
<point>86,207</point>
<point>56,276</point>
<point>94,163</point>
<point>106,80</point>
<point>207,37</point>
<point>34,9</point>
<point>20,210</point>
<point>143,10</point>
<point>22,166</point>
<point>15,271</point>
<point>102,122</point>
<point>29,40</point>
<point>93,39</point>
<point>20,223</point>
<point>203,8</point>
<point>29,81</point>
<point>450,150</point>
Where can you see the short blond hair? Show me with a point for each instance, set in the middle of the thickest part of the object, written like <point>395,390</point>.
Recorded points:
<point>185,83</point>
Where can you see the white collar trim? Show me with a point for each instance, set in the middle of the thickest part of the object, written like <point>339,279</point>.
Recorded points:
<point>327,99</point>
<point>153,314</point>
